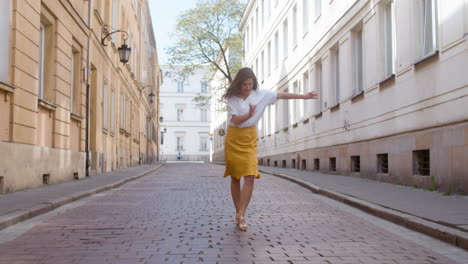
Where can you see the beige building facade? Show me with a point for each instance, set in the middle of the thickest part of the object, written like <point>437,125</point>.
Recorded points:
<point>392,81</point>
<point>55,111</point>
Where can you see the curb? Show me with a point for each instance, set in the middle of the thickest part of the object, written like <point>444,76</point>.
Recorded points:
<point>450,235</point>
<point>18,216</point>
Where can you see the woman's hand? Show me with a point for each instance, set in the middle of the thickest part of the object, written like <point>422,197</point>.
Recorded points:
<point>311,95</point>
<point>251,110</point>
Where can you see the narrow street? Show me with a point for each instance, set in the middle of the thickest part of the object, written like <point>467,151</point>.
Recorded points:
<point>183,213</point>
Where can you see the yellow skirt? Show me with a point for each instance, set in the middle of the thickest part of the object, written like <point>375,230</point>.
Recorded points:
<point>241,152</point>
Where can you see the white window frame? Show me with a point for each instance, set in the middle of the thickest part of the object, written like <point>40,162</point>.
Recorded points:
<point>319,86</point>
<point>294,36</point>
<point>180,114</point>
<point>269,58</point>
<point>180,86</point>
<point>276,49</point>
<point>305,86</point>
<point>358,60</point>
<point>428,25</point>
<point>335,76</point>
<point>388,38</point>
<point>203,143</point>
<point>305,16</point>
<point>318,10</point>
<point>285,39</point>
<point>262,66</point>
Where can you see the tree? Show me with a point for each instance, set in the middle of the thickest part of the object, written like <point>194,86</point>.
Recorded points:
<point>208,35</point>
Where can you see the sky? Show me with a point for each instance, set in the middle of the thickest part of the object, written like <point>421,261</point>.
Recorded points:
<point>164,15</point>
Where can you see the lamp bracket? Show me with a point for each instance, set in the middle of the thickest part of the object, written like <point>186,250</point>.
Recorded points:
<point>106,32</point>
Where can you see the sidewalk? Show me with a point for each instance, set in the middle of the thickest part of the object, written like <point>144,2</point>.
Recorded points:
<point>19,206</point>
<point>441,216</point>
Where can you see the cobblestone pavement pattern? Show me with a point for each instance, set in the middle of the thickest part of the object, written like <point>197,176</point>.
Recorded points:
<point>183,214</point>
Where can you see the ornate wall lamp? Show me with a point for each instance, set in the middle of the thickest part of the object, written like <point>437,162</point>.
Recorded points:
<point>151,96</point>
<point>124,51</point>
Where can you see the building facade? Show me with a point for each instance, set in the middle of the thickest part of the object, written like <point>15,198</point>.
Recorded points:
<point>392,83</point>
<point>67,96</point>
<point>186,125</point>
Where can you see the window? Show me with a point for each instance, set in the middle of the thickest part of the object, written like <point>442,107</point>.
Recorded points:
<point>128,108</point>
<point>180,114</point>
<point>5,33</point>
<point>256,70</point>
<point>387,35</point>
<point>318,9</point>
<point>204,114</point>
<point>204,87</point>
<point>305,16</point>
<point>422,162</point>
<point>75,82</point>
<point>72,81</point>
<point>180,143</point>
<point>122,111</point>
<point>256,22</point>
<point>268,125</point>
<point>115,10</point>
<point>357,59</point>
<point>285,111</point>
<point>295,113</point>
<point>335,76</point>
<point>269,58</point>
<point>305,81</point>
<point>285,39</point>
<point>262,68</point>
<point>252,31</point>
<point>318,86</point>
<point>262,11</point>
<point>355,163</point>
<point>105,107</point>
<point>203,143</point>
<point>276,49</point>
<point>428,29</point>
<point>112,103</point>
<point>294,26</point>
<point>247,39</point>
<point>180,87</point>
<point>382,163</point>
<point>41,62</point>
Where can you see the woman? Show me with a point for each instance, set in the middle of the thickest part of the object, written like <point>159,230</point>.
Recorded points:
<point>246,105</point>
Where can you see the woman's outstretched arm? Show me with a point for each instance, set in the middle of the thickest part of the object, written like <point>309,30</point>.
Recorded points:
<point>309,95</point>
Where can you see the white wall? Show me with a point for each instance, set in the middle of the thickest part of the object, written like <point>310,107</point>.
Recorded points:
<point>420,95</point>
<point>191,127</point>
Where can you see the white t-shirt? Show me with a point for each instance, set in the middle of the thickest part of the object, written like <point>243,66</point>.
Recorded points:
<point>258,98</point>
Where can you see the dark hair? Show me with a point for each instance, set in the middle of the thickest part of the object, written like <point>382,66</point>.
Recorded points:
<point>242,75</point>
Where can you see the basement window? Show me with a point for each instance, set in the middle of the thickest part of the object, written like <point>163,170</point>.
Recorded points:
<point>421,162</point>
<point>317,164</point>
<point>333,164</point>
<point>355,163</point>
<point>382,163</point>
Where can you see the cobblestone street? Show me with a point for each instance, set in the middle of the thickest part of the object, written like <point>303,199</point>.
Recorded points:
<point>183,213</point>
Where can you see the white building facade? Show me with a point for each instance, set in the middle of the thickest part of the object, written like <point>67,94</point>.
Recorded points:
<point>392,79</point>
<point>186,123</point>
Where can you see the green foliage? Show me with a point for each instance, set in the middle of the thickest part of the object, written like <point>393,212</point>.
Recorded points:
<point>208,35</point>
<point>433,183</point>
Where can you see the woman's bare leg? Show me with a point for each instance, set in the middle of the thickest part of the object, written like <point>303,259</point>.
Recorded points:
<point>235,192</point>
<point>246,194</point>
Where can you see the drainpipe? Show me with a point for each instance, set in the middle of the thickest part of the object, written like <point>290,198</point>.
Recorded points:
<point>88,162</point>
